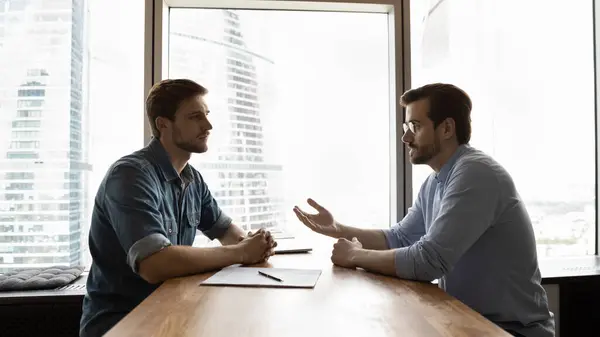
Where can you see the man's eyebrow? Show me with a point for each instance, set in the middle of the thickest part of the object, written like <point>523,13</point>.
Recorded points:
<point>198,112</point>
<point>414,121</point>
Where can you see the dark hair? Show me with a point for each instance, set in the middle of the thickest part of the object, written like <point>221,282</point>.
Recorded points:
<point>166,96</point>
<point>445,101</point>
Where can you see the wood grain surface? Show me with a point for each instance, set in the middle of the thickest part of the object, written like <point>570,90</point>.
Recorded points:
<point>343,303</point>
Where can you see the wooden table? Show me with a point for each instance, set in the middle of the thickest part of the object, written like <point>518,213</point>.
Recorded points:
<point>343,303</point>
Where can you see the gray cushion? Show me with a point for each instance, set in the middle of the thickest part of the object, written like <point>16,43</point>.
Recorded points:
<point>39,278</point>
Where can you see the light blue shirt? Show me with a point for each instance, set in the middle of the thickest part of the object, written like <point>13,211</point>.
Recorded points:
<point>469,228</point>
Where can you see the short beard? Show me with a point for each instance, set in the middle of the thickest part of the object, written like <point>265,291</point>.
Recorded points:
<point>426,152</point>
<point>187,146</point>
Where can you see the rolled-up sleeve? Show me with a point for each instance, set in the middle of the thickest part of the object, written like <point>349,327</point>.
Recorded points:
<point>214,223</point>
<point>407,231</point>
<point>131,203</point>
<point>467,209</point>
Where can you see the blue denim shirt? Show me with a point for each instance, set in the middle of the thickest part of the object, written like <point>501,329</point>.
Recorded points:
<point>470,229</point>
<point>141,207</point>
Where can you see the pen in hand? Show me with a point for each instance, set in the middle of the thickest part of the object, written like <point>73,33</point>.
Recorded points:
<point>270,276</point>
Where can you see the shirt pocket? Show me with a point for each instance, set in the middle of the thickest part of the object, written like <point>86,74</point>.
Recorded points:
<point>171,229</point>
<point>193,219</point>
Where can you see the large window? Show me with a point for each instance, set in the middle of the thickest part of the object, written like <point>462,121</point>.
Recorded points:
<point>299,110</point>
<point>71,102</point>
<point>529,69</point>
<point>301,104</point>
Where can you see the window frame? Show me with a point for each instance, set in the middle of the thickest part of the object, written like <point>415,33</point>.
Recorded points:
<point>596,42</point>
<point>156,64</point>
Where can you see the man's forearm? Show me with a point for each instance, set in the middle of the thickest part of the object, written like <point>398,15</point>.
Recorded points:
<point>378,261</point>
<point>370,238</point>
<point>233,236</point>
<point>175,261</point>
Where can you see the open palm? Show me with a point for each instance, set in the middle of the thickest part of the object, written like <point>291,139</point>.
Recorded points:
<point>322,222</point>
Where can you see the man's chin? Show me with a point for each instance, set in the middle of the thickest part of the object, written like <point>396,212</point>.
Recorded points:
<point>418,160</point>
<point>195,148</point>
<point>200,149</point>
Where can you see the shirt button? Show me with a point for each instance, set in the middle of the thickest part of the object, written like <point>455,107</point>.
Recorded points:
<point>170,231</point>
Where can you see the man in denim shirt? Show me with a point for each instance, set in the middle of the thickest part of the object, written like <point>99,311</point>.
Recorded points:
<point>468,227</point>
<point>148,208</point>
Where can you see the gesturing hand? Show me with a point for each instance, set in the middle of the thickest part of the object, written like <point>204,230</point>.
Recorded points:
<point>322,222</point>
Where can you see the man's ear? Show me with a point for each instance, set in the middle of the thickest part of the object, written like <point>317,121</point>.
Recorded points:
<point>449,128</point>
<point>161,123</point>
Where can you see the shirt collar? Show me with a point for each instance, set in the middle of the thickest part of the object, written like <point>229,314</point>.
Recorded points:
<point>445,170</point>
<point>164,162</point>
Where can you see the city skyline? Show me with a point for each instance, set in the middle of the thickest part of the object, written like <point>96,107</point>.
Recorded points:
<point>236,168</point>
<point>44,171</point>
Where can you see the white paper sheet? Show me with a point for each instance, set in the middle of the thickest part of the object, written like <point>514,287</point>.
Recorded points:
<point>247,276</point>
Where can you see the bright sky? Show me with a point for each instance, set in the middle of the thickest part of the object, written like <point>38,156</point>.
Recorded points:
<point>531,85</point>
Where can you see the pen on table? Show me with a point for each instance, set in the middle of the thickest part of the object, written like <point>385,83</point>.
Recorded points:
<point>270,276</point>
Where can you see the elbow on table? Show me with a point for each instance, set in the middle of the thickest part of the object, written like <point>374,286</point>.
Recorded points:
<point>150,277</point>
<point>428,276</point>
<point>429,265</point>
<point>149,269</point>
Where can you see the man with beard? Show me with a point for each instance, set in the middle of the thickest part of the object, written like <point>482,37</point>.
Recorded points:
<point>148,208</point>
<point>468,227</point>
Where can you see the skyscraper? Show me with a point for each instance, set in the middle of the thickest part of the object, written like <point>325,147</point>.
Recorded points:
<point>43,165</point>
<point>208,46</point>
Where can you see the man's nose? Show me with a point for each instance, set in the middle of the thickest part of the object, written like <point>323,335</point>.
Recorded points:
<point>407,137</point>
